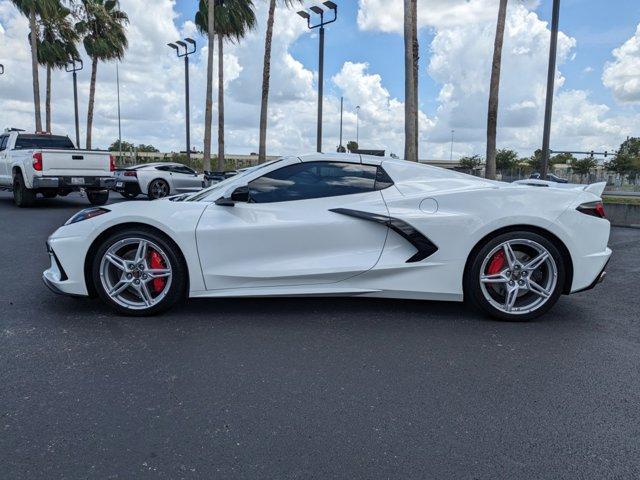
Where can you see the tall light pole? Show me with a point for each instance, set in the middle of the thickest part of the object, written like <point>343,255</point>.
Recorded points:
<point>451,155</point>
<point>187,51</point>
<point>358,125</point>
<point>304,14</point>
<point>551,76</point>
<point>119,120</point>
<point>74,67</point>
<point>340,147</point>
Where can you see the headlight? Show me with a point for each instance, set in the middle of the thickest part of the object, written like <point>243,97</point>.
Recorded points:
<point>86,214</point>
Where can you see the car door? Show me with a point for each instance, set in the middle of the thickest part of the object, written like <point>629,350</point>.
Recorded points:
<point>5,178</point>
<point>184,179</point>
<point>289,232</point>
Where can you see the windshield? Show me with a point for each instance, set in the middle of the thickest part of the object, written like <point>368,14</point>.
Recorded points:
<point>219,187</point>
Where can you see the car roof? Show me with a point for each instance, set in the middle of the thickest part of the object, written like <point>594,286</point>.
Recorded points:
<point>156,164</point>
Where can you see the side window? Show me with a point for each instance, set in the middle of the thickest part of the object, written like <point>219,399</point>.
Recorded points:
<point>182,169</point>
<point>308,180</point>
<point>4,139</point>
<point>164,168</point>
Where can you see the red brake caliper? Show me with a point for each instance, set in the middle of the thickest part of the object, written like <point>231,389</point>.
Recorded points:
<point>157,263</point>
<point>496,264</point>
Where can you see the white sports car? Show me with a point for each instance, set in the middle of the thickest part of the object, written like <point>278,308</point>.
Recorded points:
<point>333,224</point>
<point>157,180</point>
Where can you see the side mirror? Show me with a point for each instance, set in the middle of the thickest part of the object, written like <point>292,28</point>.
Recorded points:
<point>240,194</point>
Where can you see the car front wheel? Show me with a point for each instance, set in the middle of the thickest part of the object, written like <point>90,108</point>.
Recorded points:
<point>139,272</point>
<point>516,276</point>
<point>158,189</point>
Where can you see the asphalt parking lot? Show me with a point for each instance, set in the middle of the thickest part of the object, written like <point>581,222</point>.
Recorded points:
<point>312,388</point>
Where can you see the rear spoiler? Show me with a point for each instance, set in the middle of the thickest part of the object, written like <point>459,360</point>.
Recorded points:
<point>595,188</point>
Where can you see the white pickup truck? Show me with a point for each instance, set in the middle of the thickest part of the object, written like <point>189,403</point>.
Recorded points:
<point>50,165</point>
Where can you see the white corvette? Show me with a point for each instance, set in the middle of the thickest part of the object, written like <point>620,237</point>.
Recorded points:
<point>333,224</point>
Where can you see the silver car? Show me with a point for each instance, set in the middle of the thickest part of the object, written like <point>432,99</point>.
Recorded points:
<point>158,180</point>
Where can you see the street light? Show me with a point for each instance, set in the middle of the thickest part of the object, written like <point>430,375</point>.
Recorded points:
<point>358,125</point>
<point>451,155</point>
<point>551,76</point>
<point>304,14</point>
<point>177,46</point>
<point>74,67</point>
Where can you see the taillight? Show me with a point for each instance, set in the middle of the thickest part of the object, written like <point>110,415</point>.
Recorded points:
<point>37,161</point>
<point>130,173</point>
<point>595,209</point>
<point>112,163</point>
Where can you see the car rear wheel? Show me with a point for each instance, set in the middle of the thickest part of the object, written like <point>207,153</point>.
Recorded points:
<point>516,276</point>
<point>22,196</point>
<point>139,272</point>
<point>158,189</point>
<point>98,197</point>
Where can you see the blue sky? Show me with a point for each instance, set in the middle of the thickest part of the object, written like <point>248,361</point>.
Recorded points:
<point>597,100</point>
<point>597,26</point>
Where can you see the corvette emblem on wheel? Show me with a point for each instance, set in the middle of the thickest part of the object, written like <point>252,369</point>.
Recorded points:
<point>339,225</point>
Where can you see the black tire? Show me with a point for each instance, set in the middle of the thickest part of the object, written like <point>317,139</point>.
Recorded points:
<point>129,196</point>
<point>177,290</point>
<point>158,188</point>
<point>23,197</point>
<point>473,291</point>
<point>98,197</point>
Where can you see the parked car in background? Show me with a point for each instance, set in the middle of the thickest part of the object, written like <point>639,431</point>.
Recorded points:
<point>51,165</point>
<point>158,180</point>
<point>550,177</point>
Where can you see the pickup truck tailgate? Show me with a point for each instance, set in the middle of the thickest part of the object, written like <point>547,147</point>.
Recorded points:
<point>76,163</point>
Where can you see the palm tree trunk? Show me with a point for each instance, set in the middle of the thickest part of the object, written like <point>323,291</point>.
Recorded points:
<point>220,104</point>
<point>92,97</point>
<point>48,101</point>
<point>208,111</point>
<point>494,92</point>
<point>411,56</point>
<point>266,74</point>
<point>34,68</point>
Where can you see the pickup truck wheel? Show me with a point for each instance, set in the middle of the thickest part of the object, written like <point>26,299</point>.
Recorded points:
<point>22,196</point>
<point>158,189</point>
<point>99,197</point>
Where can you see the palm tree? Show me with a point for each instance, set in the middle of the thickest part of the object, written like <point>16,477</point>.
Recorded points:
<point>411,57</point>
<point>494,91</point>
<point>232,20</point>
<point>208,111</point>
<point>32,9</point>
<point>56,47</point>
<point>266,74</point>
<point>104,38</point>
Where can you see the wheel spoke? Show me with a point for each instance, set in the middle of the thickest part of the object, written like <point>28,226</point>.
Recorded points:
<point>141,253</point>
<point>538,289</point>
<point>159,272</point>
<point>116,261</point>
<point>494,278</point>
<point>536,262</point>
<point>143,291</point>
<point>510,300</point>
<point>118,288</point>
<point>510,255</point>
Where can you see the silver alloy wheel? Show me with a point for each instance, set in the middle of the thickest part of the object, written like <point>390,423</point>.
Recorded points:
<point>127,276</point>
<point>525,282</point>
<point>159,189</point>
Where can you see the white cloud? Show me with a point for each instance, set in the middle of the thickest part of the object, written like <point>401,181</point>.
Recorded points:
<point>388,15</point>
<point>458,59</point>
<point>621,75</point>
